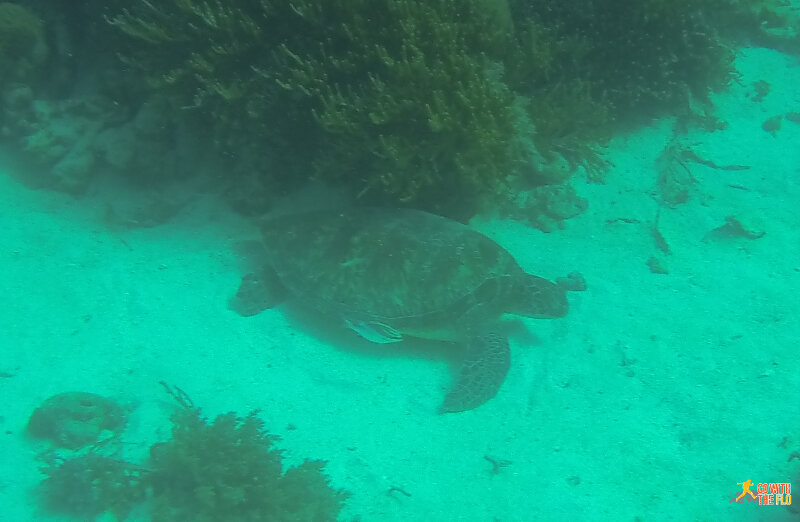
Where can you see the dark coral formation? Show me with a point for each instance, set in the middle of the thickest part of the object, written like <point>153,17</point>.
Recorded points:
<point>438,104</point>
<point>443,105</point>
<point>22,44</point>
<point>394,99</point>
<point>73,420</point>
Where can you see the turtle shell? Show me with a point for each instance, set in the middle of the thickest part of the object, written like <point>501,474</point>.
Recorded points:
<point>408,269</point>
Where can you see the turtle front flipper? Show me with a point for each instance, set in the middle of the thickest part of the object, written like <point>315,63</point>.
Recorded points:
<point>257,292</point>
<point>375,331</point>
<point>482,371</point>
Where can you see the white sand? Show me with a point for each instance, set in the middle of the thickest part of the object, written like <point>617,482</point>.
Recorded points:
<point>649,401</point>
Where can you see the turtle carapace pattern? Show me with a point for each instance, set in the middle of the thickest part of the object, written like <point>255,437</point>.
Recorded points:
<point>393,273</point>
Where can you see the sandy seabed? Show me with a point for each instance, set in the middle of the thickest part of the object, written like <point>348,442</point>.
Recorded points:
<point>649,401</point>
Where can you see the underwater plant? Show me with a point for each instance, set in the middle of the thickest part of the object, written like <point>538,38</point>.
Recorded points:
<point>90,485</point>
<point>637,58</point>
<point>228,469</point>
<point>397,100</point>
<point>442,105</point>
<point>225,469</point>
<point>641,59</point>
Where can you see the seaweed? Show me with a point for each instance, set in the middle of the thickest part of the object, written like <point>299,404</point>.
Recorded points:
<point>90,485</point>
<point>440,105</point>
<point>398,101</point>
<point>227,469</point>
<point>223,469</point>
<point>638,58</point>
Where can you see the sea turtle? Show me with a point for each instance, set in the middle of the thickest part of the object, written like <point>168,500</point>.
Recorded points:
<point>390,273</point>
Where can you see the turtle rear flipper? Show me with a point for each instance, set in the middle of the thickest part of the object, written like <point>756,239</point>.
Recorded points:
<point>482,371</point>
<point>257,292</point>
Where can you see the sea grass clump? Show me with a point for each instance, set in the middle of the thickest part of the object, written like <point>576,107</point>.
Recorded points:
<point>637,58</point>
<point>412,106</point>
<point>641,59</point>
<point>398,101</point>
<point>441,105</point>
<point>86,487</point>
<point>228,469</point>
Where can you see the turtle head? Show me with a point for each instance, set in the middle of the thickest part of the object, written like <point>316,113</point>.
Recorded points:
<point>539,298</point>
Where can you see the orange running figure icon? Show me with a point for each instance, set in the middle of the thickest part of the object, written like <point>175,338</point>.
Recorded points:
<point>745,489</point>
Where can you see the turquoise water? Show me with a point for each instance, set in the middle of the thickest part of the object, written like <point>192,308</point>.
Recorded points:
<point>650,400</point>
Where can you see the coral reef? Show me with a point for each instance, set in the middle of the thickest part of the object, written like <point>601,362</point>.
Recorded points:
<point>441,105</point>
<point>225,469</point>
<point>397,100</point>
<point>766,23</point>
<point>65,144</point>
<point>73,420</point>
<point>418,103</point>
<point>415,89</point>
<point>629,61</point>
<point>635,57</point>
<point>22,44</point>
<point>23,51</point>
<point>545,207</point>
